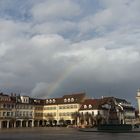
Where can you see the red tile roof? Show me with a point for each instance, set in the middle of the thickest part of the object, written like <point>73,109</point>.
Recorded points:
<point>95,104</point>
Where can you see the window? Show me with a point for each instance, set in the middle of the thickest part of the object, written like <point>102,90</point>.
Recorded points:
<point>72,99</point>
<point>68,106</point>
<point>90,106</point>
<point>65,100</point>
<point>71,106</point>
<point>53,100</point>
<point>85,106</point>
<point>68,99</point>
<point>75,106</point>
<point>4,106</point>
<point>54,108</point>
<point>50,101</point>
<point>4,114</point>
<point>12,114</point>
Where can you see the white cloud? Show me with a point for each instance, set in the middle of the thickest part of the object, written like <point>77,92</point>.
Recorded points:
<point>10,29</point>
<point>98,20</point>
<point>112,16</point>
<point>55,9</point>
<point>53,28</point>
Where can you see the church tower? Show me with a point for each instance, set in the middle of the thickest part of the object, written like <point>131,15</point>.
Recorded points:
<point>138,99</point>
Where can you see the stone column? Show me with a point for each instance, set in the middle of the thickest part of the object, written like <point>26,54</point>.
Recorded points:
<point>27,123</point>
<point>43,123</point>
<point>32,123</point>
<point>8,123</point>
<point>0,124</point>
<point>21,123</point>
<point>37,123</point>
<point>14,124</point>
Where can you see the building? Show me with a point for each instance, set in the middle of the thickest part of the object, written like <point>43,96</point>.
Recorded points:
<point>38,112</point>
<point>7,111</point>
<point>24,111</point>
<point>60,110</point>
<point>91,111</point>
<point>138,100</point>
<point>106,110</point>
<point>73,109</point>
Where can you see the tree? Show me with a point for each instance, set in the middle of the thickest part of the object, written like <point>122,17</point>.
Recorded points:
<point>76,117</point>
<point>50,119</point>
<point>61,122</point>
<point>98,118</point>
<point>82,118</point>
<point>87,116</point>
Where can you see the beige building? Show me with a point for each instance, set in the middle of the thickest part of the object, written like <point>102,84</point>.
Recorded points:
<point>38,112</point>
<point>60,110</point>
<point>7,111</point>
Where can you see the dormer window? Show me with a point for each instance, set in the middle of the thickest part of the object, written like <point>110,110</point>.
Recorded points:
<point>65,100</point>
<point>85,106</point>
<point>47,101</point>
<point>50,101</point>
<point>53,100</point>
<point>72,99</point>
<point>68,99</point>
<point>90,106</point>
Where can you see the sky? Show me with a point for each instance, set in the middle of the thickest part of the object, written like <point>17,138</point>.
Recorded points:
<point>49,48</point>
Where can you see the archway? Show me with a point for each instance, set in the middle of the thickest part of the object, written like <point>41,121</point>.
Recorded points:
<point>4,124</point>
<point>68,122</point>
<point>12,123</point>
<point>45,122</point>
<point>24,123</point>
<point>30,123</point>
<point>18,123</point>
<point>40,123</point>
<point>36,123</point>
<point>54,122</point>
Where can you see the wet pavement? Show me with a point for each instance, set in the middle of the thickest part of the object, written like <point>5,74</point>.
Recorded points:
<point>61,134</point>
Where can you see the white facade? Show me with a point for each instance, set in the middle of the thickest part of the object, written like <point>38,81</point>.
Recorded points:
<point>138,100</point>
<point>24,99</point>
<point>58,112</point>
<point>95,112</point>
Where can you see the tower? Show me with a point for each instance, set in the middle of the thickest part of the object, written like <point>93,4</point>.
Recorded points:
<point>138,100</point>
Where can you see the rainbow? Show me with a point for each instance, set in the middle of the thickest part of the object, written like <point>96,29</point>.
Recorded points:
<point>54,86</point>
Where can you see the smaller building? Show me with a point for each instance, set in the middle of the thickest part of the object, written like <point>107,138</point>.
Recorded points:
<point>38,112</point>
<point>7,111</point>
<point>92,112</point>
<point>24,111</point>
<point>106,110</point>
